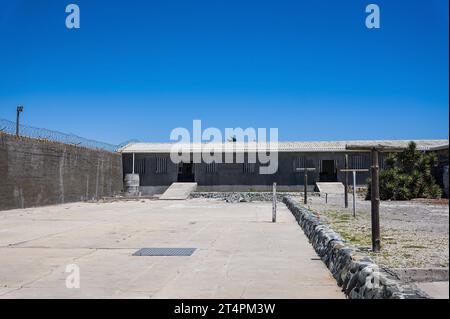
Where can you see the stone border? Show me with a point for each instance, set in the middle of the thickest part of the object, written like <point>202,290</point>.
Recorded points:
<point>240,197</point>
<point>244,197</point>
<point>360,278</point>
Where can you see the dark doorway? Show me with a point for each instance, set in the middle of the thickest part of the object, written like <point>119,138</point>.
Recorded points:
<point>186,172</point>
<point>328,172</point>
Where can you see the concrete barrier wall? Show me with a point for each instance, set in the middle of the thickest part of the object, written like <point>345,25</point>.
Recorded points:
<point>37,172</point>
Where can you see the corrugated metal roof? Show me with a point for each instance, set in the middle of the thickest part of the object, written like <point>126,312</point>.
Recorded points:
<point>439,147</point>
<point>320,146</point>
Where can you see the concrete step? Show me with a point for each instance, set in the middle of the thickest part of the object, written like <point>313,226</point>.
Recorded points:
<point>179,191</point>
<point>330,187</point>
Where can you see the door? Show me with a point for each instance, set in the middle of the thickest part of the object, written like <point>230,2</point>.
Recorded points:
<point>186,172</point>
<point>328,171</point>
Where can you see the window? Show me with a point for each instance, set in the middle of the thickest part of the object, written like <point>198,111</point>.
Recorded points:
<point>211,167</point>
<point>302,162</point>
<point>161,165</point>
<point>249,168</point>
<point>358,162</point>
<point>298,162</point>
<point>139,166</point>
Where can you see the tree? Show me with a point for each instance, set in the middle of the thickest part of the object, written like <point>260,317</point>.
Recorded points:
<point>408,175</point>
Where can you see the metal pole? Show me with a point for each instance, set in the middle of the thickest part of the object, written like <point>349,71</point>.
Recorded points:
<point>133,164</point>
<point>326,198</point>
<point>375,199</point>
<point>274,203</point>
<point>17,122</point>
<point>346,182</point>
<point>354,193</point>
<point>18,111</point>
<point>306,187</point>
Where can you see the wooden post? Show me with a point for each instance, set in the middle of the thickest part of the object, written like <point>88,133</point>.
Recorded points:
<point>305,201</point>
<point>305,187</point>
<point>375,199</point>
<point>375,186</point>
<point>354,193</point>
<point>346,182</point>
<point>274,203</point>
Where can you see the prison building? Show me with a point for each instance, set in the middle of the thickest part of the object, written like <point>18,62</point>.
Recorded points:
<point>152,161</point>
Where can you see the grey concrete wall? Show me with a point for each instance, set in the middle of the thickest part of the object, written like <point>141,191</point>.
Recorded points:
<point>152,190</point>
<point>149,177</point>
<point>36,172</point>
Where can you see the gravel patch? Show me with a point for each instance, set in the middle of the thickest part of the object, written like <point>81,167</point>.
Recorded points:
<point>415,234</point>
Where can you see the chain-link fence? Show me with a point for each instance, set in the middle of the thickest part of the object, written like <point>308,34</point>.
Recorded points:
<point>42,133</point>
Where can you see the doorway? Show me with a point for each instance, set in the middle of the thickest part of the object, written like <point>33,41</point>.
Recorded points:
<point>328,171</point>
<point>186,173</point>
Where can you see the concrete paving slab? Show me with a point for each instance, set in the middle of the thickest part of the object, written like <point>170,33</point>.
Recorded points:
<point>240,253</point>
<point>178,191</point>
<point>330,187</point>
<point>437,289</point>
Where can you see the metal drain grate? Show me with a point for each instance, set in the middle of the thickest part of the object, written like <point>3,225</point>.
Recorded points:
<point>164,252</point>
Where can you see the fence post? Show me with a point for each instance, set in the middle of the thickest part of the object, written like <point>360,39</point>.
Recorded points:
<point>274,203</point>
<point>354,193</point>
<point>375,198</point>
<point>305,200</point>
<point>346,181</point>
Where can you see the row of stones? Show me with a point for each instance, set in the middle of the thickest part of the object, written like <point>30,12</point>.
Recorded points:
<point>359,277</point>
<point>240,197</point>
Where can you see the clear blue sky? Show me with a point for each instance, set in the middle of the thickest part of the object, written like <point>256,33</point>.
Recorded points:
<point>138,69</point>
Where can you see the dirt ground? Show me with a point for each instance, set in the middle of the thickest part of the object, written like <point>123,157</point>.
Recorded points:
<point>415,234</point>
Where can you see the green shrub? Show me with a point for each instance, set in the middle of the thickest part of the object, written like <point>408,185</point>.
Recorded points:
<point>408,175</point>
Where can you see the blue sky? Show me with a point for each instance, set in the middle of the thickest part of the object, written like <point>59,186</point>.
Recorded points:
<point>138,69</point>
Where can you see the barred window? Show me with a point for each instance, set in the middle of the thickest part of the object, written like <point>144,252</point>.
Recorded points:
<point>249,168</point>
<point>211,167</point>
<point>359,161</point>
<point>298,162</point>
<point>161,165</point>
<point>302,162</point>
<point>139,166</point>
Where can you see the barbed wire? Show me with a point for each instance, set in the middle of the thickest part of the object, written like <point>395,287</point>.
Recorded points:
<point>9,127</point>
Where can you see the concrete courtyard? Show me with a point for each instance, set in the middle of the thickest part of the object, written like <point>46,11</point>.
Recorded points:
<point>240,253</point>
